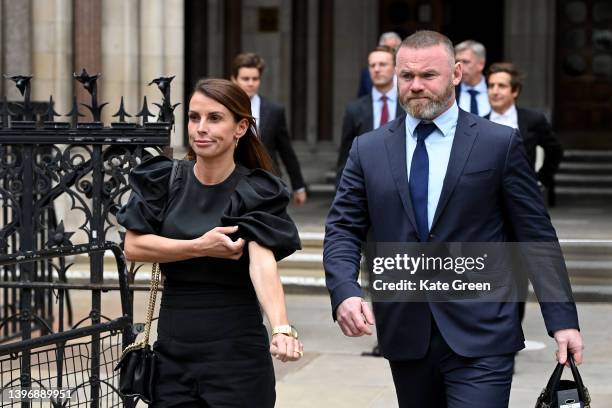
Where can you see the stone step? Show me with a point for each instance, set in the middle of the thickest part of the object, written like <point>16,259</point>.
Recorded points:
<point>584,191</point>
<point>601,156</point>
<point>583,179</point>
<point>585,167</point>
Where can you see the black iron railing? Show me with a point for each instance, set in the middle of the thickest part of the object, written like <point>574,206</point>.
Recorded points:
<point>85,165</point>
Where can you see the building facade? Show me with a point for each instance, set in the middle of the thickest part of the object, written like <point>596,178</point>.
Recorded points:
<point>314,52</point>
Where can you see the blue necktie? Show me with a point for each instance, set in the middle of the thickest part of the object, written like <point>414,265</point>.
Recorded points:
<point>473,102</point>
<point>419,179</point>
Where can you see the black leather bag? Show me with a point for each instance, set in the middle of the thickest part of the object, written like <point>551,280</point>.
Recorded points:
<point>137,373</point>
<point>564,393</point>
<point>137,363</point>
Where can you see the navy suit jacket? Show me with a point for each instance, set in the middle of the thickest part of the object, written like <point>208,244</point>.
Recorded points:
<point>358,119</point>
<point>275,136</point>
<point>489,194</point>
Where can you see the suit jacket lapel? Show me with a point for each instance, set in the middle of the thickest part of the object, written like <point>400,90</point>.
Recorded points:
<point>465,135</point>
<point>264,113</point>
<point>395,142</point>
<point>522,123</point>
<point>368,114</point>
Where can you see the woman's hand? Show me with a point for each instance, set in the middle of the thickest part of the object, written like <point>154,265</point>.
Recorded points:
<point>216,243</point>
<point>286,348</point>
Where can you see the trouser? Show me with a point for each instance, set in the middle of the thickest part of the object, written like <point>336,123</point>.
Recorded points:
<point>444,379</point>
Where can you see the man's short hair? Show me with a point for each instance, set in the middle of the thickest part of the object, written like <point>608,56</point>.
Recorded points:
<point>384,48</point>
<point>388,35</point>
<point>516,78</point>
<point>247,60</point>
<point>426,39</point>
<point>477,48</point>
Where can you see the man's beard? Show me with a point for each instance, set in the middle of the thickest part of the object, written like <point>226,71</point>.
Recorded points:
<point>430,109</point>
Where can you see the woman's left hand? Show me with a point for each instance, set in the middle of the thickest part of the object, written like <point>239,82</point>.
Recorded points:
<point>286,348</point>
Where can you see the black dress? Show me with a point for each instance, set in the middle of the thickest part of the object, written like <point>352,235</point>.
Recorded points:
<point>212,346</point>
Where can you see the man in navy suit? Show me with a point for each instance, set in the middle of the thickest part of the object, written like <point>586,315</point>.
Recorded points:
<point>376,108</point>
<point>440,175</point>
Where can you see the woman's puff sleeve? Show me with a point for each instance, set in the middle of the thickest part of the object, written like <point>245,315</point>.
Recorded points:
<point>259,207</point>
<point>144,210</point>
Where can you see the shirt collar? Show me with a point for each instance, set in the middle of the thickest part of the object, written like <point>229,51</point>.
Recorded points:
<point>256,99</point>
<point>391,94</point>
<point>510,112</point>
<point>445,122</point>
<point>481,87</point>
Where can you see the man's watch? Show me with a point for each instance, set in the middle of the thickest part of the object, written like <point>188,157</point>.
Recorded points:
<point>285,329</point>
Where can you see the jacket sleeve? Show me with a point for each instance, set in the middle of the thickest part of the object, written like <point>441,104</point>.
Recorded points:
<point>530,223</point>
<point>553,151</point>
<point>286,152</point>
<point>348,135</point>
<point>345,230</point>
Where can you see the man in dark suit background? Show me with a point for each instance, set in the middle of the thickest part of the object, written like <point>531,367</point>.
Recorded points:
<point>376,108</point>
<point>247,69</point>
<point>504,87</point>
<point>441,175</point>
<point>389,39</point>
<point>471,93</point>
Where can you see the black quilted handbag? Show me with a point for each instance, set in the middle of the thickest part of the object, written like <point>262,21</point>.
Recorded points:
<point>564,393</point>
<point>137,363</point>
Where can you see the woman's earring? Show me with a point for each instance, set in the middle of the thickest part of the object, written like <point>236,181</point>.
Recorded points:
<point>237,142</point>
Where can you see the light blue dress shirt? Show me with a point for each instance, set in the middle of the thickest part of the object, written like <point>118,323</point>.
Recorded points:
<point>438,145</point>
<point>377,105</point>
<point>482,98</point>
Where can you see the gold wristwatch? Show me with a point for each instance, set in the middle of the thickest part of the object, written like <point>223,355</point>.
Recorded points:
<point>285,329</point>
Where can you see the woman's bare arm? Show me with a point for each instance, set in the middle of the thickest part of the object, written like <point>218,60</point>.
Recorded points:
<point>155,248</point>
<point>266,281</point>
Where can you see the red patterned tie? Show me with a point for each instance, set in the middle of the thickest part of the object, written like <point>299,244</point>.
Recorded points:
<point>384,114</point>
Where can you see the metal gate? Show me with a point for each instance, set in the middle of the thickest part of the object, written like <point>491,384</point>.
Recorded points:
<point>49,340</point>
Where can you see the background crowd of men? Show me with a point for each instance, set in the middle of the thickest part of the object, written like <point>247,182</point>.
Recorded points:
<point>491,94</point>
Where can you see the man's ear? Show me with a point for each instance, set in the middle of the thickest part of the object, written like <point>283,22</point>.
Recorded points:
<point>457,74</point>
<point>233,79</point>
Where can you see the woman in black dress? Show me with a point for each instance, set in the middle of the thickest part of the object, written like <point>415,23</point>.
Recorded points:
<point>217,229</point>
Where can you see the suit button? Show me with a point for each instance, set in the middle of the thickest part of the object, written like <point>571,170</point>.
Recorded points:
<point>432,236</point>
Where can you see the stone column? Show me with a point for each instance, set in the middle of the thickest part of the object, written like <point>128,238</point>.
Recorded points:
<point>174,61</point>
<point>313,78</point>
<point>162,53</point>
<point>17,42</point>
<point>529,42</point>
<point>355,34</point>
<point>120,58</point>
<point>215,26</point>
<point>52,53</point>
<point>87,45</point>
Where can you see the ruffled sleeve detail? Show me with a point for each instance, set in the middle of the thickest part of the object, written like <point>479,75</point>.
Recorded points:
<point>144,210</point>
<point>259,207</point>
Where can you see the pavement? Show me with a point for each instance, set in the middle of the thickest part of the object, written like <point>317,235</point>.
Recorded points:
<point>333,373</point>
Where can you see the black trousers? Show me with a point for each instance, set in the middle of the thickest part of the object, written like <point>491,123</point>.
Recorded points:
<point>444,379</point>
<point>213,357</point>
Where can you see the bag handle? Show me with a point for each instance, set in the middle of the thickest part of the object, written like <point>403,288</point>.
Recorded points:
<point>555,378</point>
<point>155,278</point>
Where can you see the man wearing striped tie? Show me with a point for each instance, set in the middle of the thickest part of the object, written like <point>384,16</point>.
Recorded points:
<point>374,109</point>
<point>472,91</point>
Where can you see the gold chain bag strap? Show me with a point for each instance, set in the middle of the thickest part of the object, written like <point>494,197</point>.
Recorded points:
<point>137,363</point>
